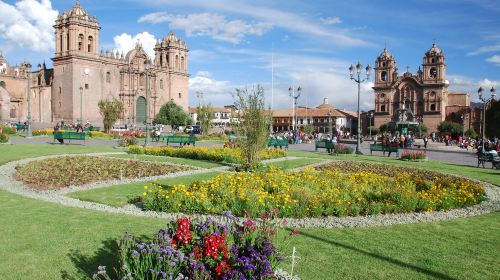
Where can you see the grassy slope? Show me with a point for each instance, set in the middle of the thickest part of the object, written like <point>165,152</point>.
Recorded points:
<point>294,163</point>
<point>485,174</point>
<point>119,195</point>
<point>19,151</point>
<point>40,240</point>
<point>186,161</point>
<point>35,236</point>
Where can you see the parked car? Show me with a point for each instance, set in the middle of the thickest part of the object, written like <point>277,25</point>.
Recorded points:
<point>196,129</point>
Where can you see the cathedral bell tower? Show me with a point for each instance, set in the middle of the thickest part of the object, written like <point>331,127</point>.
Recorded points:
<point>76,33</point>
<point>434,66</point>
<point>385,69</point>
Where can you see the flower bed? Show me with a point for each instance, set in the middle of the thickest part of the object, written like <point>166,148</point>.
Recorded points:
<point>209,250</point>
<point>365,189</point>
<point>215,154</point>
<point>7,129</point>
<point>56,173</point>
<point>413,156</point>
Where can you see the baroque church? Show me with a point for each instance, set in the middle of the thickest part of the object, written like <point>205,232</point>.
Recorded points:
<point>421,97</point>
<point>82,76</point>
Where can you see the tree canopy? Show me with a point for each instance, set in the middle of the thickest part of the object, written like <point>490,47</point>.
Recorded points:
<point>172,114</point>
<point>111,111</point>
<point>205,117</point>
<point>493,119</point>
<point>449,127</point>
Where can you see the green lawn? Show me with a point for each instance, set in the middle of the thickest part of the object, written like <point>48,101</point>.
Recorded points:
<point>485,174</point>
<point>20,151</point>
<point>119,195</point>
<point>294,163</point>
<point>186,161</point>
<point>41,240</point>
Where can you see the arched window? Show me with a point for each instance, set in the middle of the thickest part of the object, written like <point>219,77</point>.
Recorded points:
<point>13,113</point>
<point>382,108</point>
<point>67,41</point>
<point>61,43</point>
<point>433,107</point>
<point>80,42</point>
<point>180,95</point>
<point>2,84</point>
<point>182,63</point>
<point>60,97</point>
<point>161,84</point>
<point>177,62</point>
<point>383,76</point>
<point>90,43</point>
<point>433,72</point>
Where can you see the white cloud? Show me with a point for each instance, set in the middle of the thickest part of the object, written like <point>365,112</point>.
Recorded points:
<point>277,17</point>
<point>331,20</point>
<point>126,42</point>
<point>485,49</point>
<point>218,93</point>
<point>28,24</point>
<point>494,59</point>
<point>208,24</point>
<point>470,85</point>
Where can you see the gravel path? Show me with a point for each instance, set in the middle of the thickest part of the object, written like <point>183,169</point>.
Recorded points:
<point>492,204</point>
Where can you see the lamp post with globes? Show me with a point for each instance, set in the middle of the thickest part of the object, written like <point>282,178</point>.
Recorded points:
<point>485,103</point>
<point>370,116</point>
<point>330,130</point>
<point>358,80</point>
<point>295,94</point>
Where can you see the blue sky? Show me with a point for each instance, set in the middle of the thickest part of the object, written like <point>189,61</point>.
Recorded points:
<point>231,42</point>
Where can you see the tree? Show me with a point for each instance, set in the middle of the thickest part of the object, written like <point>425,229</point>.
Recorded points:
<point>172,114</point>
<point>375,130</point>
<point>111,111</point>
<point>449,127</point>
<point>492,118</point>
<point>254,124</point>
<point>205,117</point>
<point>308,129</point>
<point>471,132</point>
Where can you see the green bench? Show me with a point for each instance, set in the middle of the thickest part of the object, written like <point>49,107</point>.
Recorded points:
<point>325,144</point>
<point>68,135</point>
<point>384,149</point>
<point>488,157</point>
<point>277,143</point>
<point>182,140</point>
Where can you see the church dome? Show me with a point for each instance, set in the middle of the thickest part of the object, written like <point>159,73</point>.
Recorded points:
<point>385,55</point>
<point>78,11</point>
<point>172,37</point>
<point>434,51</point>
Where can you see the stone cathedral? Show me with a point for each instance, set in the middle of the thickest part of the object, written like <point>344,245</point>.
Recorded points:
<point>82,76</point>
<point>423,96</point>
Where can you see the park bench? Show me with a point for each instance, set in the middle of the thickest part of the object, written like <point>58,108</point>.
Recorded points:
<point>326,144</point>
<point>19,127</point>
<point>384,149</point>
<point>68,135</point>
<point>488,157</point>
<point>182,140</point>
<point>272,142</point>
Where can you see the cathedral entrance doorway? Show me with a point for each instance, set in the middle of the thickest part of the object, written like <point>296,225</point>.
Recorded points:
<point>140,110</point>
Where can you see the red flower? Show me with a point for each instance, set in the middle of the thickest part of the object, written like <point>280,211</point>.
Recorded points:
<point>222,268</point>
<point>213,245</point>
<point>182,234</point>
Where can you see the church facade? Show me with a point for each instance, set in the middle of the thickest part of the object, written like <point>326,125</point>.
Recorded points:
<point>421,97</point>
<point>82,76</point>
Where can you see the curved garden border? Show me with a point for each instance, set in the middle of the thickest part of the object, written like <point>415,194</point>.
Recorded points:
<point>492,204</point>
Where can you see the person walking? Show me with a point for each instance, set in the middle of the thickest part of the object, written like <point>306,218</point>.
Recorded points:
<point>426,140</point>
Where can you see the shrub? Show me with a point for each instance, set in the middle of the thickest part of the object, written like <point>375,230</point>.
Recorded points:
<point>61,172</point>
<point>410,155</point>
<point>8,129</point>
<point>343,149</point>
<point>128,140</point>
<point>110,111</point>
<point>40,132</point>
<point>215,154</point>
<point>4,137</point>
<point>98,134</point>
<point>208,250</point>
<point>313,193</point>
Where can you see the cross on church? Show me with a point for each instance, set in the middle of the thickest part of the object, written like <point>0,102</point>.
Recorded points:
<point>407,68</point>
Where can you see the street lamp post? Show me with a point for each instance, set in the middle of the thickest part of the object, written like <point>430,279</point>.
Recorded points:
<point>147,65</point>
<point>485,102</point>
<point>370,116</point>
<point>81,104</point>
<point>463,126</point>
<point>295,94</point>
<point>358,80</point>
<point>330,123</point>
<point>28,117</point>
